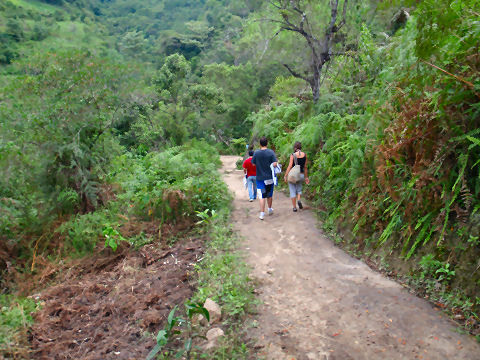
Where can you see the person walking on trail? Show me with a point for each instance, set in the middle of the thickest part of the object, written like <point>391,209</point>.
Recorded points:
<point>262,159</point>
<point>250,172</point>
<point>296,174</point>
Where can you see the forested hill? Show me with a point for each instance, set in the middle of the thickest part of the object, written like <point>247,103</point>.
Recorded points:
<point>112,110</point>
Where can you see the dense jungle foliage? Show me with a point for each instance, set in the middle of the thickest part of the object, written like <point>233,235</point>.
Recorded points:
<point>114,111</point>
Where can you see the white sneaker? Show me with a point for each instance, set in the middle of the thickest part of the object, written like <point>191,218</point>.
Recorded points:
<point>262,215</point>
<point>270,211</point>
<point>250,200</point>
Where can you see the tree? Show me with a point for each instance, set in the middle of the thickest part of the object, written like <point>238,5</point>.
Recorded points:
<point>133,43</point>
<point>298,16</point>
<point>15,30</point>
<point>183,109</point>
<point>70,103</point>
<point>239,86</point>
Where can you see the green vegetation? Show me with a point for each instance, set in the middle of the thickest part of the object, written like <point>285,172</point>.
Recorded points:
<point>224,277</point>
<point>169,186</point>
<point>165,336</point>
<point>15,318</point>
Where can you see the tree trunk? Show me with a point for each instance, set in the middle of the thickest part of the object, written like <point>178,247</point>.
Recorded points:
<point>315,85</point>
<point>315,93</point>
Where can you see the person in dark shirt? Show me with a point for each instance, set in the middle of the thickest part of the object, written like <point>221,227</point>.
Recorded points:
<point>250,172</point>
<point>262,159</point>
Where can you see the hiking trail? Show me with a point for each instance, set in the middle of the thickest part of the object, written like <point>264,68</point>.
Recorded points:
<point>318,302</point>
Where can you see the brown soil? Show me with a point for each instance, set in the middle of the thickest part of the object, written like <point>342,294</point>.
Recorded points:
<point>320,303</point>
<point>114,307</point>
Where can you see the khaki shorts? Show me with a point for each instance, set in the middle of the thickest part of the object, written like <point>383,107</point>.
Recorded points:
<point>296,188</point>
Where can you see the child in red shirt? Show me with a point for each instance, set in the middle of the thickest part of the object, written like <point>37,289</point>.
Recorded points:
<point>250,172</point>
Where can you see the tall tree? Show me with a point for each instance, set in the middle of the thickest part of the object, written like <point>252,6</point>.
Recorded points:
<point>301,17</point>
<point>183,110</point>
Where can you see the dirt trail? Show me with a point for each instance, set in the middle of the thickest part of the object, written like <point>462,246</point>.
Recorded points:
<point>320,303</point>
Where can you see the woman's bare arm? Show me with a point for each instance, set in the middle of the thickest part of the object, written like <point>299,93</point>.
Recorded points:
<point>305,171</point>
<point>290,164</point>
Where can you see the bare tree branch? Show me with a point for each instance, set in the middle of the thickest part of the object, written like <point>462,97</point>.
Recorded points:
<point>344,15</point>
<point>267,43</point>
<point>295,74</point>
<point>333,17</point>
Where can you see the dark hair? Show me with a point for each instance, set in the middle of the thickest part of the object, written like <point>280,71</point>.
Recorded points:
<point>263,141</point>
<point>297,146</point>
<point>250,153</point>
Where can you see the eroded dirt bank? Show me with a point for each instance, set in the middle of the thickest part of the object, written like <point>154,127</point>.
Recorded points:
<point>320,303</point>
<point>111,310</point>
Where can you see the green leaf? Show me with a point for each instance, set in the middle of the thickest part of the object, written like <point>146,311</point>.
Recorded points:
<point>188,344</point>
<point>171,316</point>
<point>475,141</point>
<point>162,337</point>
<point>196,308</point>
<point>154,352</point>
<point>180,354</point>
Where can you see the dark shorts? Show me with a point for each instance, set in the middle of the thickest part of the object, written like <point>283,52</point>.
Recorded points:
<point>265,191</point>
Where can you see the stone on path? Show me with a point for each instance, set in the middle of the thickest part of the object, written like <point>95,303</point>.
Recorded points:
<point>214,311</point>
<point>213,336</point>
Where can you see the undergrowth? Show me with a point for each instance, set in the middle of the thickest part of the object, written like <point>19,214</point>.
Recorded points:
<point>165,187</point>
<point>152,198</point>
<point>15,319</point>
<point>224,277</point>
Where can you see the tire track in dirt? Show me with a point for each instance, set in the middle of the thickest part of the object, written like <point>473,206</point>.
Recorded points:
<point>320,303</point>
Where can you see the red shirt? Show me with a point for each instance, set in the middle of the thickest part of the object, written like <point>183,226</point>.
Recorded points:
<point>251,169</point>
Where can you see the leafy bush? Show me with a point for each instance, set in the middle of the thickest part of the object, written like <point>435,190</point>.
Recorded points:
<point>171,184</point>
<point>429,265</point>
<point>83,231</point>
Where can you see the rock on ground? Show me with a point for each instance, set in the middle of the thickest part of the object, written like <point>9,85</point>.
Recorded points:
<point>213,336</point>
<point>214,311</point>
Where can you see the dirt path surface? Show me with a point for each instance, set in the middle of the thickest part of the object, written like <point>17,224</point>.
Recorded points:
<point>320,303</point>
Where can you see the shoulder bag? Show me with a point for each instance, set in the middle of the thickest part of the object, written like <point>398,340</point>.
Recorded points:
<point>294,174</point>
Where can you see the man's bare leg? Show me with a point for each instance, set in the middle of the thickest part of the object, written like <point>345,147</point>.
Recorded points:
<point>269,201</point>
<point>262,204</point>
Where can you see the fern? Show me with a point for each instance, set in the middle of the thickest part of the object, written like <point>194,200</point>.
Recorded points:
<point>455,191</point>
<point>424,234</point>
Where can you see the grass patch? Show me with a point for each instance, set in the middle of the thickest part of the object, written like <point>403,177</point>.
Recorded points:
<point>71,35</point>
<point>35,5</point>
<point>224,277</point>
<point>15,318</point>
